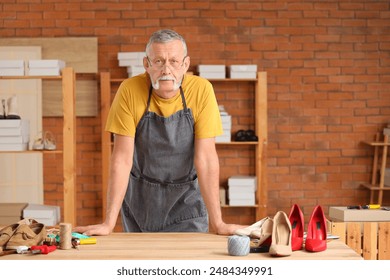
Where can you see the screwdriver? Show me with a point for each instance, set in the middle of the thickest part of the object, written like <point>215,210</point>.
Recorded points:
<point>43,249</point>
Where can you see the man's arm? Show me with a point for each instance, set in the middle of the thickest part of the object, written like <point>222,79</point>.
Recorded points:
<point>207,167</point>
<point>120,167</point>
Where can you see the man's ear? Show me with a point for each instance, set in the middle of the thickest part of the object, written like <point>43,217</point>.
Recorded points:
<point>146,63</point>
<point>187,62</point>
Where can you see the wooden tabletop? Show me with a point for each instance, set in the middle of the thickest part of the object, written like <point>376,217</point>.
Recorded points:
<point>175,246</point>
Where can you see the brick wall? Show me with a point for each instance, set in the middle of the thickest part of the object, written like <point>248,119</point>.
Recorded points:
<point>328,65</point>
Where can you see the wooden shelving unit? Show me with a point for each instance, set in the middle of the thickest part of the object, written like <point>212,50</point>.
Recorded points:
<point>379,163</point>
<point>260,146</point>
<point>68,79</point>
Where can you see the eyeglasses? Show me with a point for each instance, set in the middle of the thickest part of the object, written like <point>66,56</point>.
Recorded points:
<point>159,63</point>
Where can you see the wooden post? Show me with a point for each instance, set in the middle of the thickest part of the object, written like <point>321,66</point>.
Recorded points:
<point>261,147</point>
<point>105,103</point>
<point>69,150</point>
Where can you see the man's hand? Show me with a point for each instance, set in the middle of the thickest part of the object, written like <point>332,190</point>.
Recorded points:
<point>99,229</point>
<point>227,229</point>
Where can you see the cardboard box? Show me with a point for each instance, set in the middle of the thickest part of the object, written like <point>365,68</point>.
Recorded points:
<point>46,214</point>
<point>14,135</point>
<point>342,214</point>
<point>11,213</point>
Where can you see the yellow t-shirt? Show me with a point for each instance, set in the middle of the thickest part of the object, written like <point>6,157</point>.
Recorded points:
<point>131,99</point>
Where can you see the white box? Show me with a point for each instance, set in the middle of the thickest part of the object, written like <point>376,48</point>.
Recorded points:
<point>21,139</point>
<point>15,128</point>
<point>226,120</point>
<point>243,75</point>
<point>44,72</point>
<point>213,68</point>
<point>46,214</point>
<point>343,214</point>
<point>240,195</point>
<point>131,62</point>
<point>243,68</point>
<point>11,71</point>
<point>241,180</point>
<point>242,188</point>
<point>242,202</point>
<point>10,123</point>
<point>14,147</point>
<point>213,75</point>
<point>223,139</point>
<point>11,63</point>
<point>46,63</point>
<point>130,55</point>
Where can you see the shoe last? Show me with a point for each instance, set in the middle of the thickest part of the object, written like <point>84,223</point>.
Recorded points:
<point>281,236</point>
<point>297,225</point>
<point>27,235</point>
<point>316,231</point>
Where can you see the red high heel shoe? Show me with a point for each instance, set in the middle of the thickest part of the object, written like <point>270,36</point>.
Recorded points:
<point>316,231</point>
<point>297,225</point>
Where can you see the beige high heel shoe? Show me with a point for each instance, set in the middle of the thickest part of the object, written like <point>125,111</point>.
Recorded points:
<point>281,236</point>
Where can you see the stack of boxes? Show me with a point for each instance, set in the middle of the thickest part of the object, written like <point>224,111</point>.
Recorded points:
<point>246,71</point>
<point>133,61</point>
<point>45,67</point>
<point>226,126</point>
<point>14,135</point>
<point>11,67</point>
<point>241,190</point>
<point>212,71</point>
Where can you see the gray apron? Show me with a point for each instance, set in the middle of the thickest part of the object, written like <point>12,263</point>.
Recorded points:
<point>163,193</point>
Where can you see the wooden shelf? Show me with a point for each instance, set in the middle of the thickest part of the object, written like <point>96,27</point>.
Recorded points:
<point>377,185</point>
<point>32,152</point>
<point>68,79</point>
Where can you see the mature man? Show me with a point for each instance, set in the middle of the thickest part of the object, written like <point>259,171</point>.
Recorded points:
<point>164,173</point>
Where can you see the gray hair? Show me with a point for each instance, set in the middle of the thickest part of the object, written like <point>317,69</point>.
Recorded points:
<point>165,36</point>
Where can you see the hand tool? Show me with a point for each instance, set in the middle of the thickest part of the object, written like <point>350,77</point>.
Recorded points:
<point>368,206</point>
<point>43,249</point>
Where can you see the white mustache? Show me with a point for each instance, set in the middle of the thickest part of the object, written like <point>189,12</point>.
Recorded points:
<point>165,78</point>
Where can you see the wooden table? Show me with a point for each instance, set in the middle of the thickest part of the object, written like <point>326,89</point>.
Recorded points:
<point>175,246</point>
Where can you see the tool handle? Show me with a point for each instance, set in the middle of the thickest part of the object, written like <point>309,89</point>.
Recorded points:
<point>43,249</point>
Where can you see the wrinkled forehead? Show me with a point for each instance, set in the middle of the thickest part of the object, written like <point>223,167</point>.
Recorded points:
<point>171,49</point>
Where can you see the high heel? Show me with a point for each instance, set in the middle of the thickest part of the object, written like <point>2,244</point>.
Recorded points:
<point>297,225</point>
<point>316,231</point>
<point>281,236</point>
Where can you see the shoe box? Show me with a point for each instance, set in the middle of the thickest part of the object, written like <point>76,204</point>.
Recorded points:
<point>11,213</point>
<point>45,214</point>
<point>343,214</point>
<point>14,134</point>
